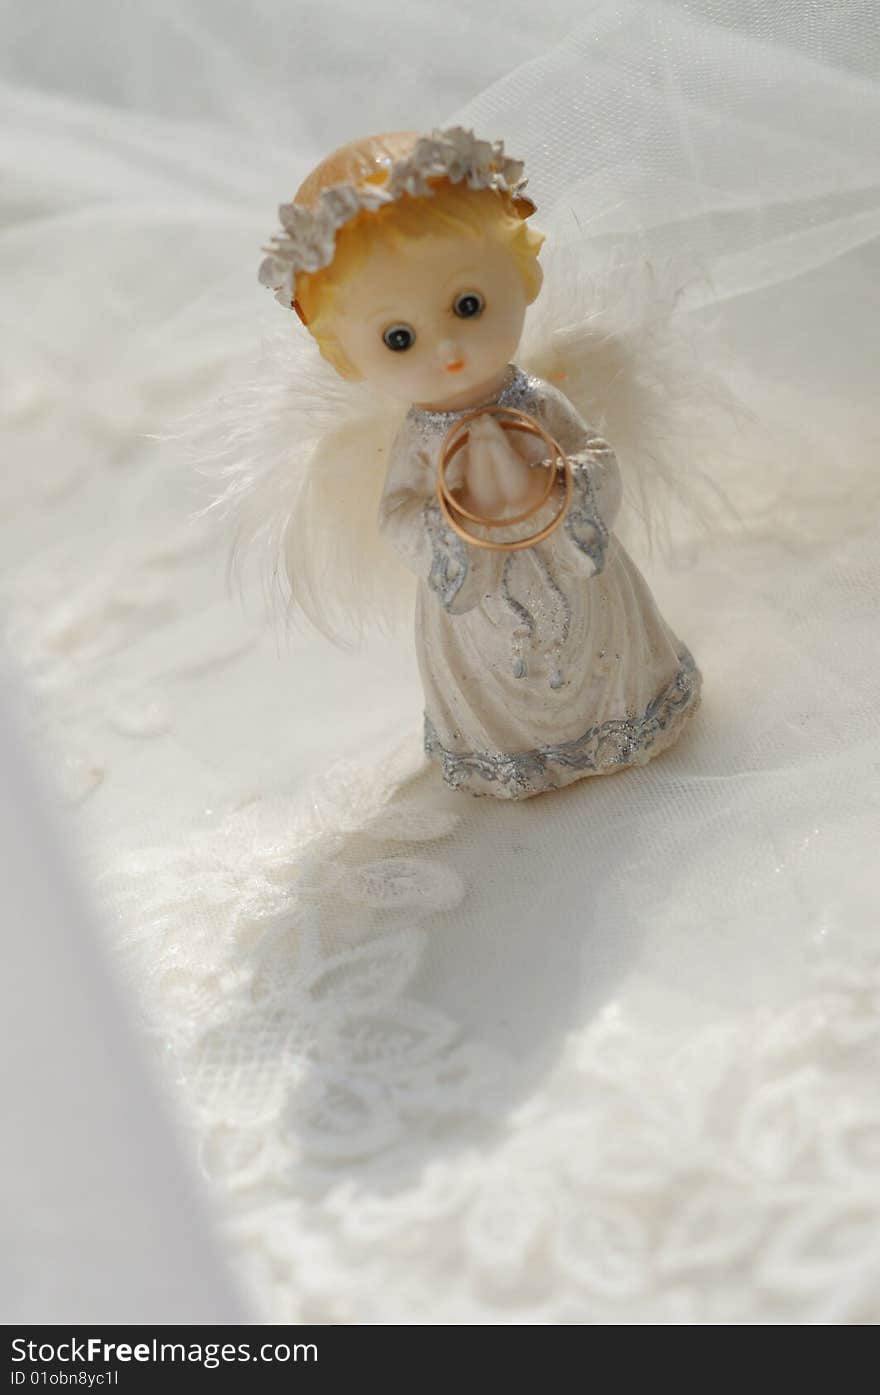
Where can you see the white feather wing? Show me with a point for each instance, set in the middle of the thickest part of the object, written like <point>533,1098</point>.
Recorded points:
<point>297,460</point>
<point>646,376</point>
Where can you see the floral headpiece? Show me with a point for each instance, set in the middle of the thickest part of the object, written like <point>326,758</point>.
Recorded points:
<point>308,241</point>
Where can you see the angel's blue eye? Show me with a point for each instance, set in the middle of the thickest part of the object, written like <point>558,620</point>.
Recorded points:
<point>399,337</point>
<point>468,304</point>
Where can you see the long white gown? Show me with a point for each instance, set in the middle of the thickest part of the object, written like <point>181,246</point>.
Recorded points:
<point>543,665</point>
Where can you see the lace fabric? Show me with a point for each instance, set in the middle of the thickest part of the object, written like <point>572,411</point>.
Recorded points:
<point>678,1163</point>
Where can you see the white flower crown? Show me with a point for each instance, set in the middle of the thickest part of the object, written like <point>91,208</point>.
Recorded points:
<point>308,241</point>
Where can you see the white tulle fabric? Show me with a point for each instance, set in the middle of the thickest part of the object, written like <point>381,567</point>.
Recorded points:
<point>606,1056</point>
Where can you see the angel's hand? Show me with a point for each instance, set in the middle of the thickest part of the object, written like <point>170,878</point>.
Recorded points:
<point>531,449</point>
<point>482,491</point>
<point>503,456</point>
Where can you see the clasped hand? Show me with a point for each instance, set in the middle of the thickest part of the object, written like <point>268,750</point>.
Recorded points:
<point>502,472</point>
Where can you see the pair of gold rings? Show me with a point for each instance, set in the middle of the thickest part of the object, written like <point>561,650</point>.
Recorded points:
<point>456,438</point>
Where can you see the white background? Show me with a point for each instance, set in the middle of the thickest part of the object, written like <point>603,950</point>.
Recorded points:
<point>608,1056</point>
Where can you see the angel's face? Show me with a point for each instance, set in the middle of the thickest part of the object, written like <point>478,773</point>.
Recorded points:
<point>435,322</point>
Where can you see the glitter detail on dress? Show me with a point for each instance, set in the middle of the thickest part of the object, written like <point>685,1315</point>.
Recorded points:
<point>449,559</point>
<point>582,522</point>
<point>611,745</point>
<point>516,391</point>
<point>524,632</point>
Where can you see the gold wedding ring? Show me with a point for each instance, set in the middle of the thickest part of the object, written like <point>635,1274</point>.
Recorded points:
<point>456,438</point>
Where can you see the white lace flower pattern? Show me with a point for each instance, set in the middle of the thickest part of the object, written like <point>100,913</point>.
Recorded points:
<point>376,1160</point>
<point>308,240</point>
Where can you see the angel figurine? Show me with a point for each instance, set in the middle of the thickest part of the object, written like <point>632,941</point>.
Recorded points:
<point>542,654</point>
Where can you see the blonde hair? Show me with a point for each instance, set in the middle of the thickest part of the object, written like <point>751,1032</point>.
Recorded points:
<point>473,213</point>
